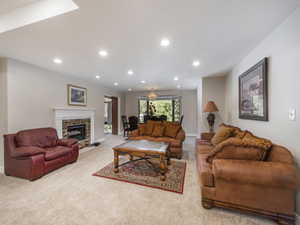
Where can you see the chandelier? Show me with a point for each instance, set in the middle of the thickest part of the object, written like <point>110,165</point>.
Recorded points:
<point>152,95</point>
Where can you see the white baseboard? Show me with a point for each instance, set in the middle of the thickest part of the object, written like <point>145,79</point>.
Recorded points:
<point>1,169</point>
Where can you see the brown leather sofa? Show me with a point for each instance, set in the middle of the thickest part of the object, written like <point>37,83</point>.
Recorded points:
<point>176,140</point>
<point>32,153</point>
<point>266,188</point>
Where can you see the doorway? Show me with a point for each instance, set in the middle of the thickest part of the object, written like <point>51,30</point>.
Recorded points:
<point>110,115</point>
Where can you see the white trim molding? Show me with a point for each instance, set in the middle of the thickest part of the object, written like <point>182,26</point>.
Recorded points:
<point>71,113</point>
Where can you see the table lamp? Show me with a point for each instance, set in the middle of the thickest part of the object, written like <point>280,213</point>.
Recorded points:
<point>210,108</point>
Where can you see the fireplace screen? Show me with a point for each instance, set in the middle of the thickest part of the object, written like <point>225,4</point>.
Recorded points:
<point>77,132</point>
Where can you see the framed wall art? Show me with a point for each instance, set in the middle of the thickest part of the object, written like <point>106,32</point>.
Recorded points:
<point>253,92</point>
<point>77,96</point>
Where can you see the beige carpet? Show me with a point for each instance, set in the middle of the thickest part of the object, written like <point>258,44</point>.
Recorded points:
<point>72,196</point>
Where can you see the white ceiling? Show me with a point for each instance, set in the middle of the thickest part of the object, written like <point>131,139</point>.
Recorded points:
<point>218,33</point>
<point>9,5</point>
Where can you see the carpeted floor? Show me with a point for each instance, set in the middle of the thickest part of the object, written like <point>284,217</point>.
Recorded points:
<point>72,196</point>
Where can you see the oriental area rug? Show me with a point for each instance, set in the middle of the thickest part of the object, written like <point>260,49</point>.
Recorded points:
<point>147,174</point>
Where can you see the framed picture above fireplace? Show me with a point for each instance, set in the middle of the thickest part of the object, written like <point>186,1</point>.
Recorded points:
<point>253,92</point>
<point>77,96</point>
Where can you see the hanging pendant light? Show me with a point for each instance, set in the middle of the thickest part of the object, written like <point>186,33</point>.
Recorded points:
<point>152,95</point>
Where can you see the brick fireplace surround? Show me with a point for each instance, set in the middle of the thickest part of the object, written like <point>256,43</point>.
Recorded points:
<point>65,117</point>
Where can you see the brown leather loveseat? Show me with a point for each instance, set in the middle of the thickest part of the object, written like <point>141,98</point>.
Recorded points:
<point>243,177</point>
<point>170,132</point>
<point>32,153</point>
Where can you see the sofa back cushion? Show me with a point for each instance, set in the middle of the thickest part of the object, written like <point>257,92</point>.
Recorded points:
<point>158,130</point>
<point>42,137</point>
<point>171,129</point>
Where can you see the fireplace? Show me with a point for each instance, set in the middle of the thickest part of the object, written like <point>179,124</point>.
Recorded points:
<point>67,117</point>
<point>77,132</point>
<point>79,129</point>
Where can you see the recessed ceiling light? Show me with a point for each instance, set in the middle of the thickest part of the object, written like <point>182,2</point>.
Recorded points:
<point>98,77</point>
<point>196,63</point>
<point>164,42</point>
<point>116,83</point>
<point>143,81</point>
<point>103,53</point>
<point>129,89</point>
<point>178,86</point>
<point>130,72</point>
<point>176,78</point>
<point>57,61</point>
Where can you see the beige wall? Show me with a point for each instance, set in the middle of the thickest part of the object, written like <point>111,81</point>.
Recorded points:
<point>189,106</point>
<point>214,90</point>
<point>283,49</point>
<point>3,114</point>
<point>32,93</point>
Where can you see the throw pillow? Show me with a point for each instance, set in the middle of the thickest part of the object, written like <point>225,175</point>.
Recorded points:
<point>150,126</point>
<point>237,132</point>
<point>158,130</point>
<point>222,134</point>
<point>172,129</point>
<point>239,149</point>
<point>261,143</point>
<point>142,129</point>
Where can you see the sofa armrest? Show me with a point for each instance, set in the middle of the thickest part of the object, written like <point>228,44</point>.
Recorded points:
<point>134,133</point>
<point>26,152</point>
<point>271,174</point>
<point>67,142</point>
<point>180,135</point>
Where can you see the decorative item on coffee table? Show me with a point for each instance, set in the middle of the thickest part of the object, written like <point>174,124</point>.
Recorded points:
<point>210,108</point>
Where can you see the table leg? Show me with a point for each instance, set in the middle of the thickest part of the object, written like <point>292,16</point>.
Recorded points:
<point>168,158</point>
<point>130,157</point>
<point>116,162</point>
<point>163,168</point>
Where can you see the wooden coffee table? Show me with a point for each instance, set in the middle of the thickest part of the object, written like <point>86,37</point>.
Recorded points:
<point>144,150</point>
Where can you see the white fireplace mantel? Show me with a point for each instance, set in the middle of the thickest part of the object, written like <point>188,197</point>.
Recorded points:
<point>71,113</point>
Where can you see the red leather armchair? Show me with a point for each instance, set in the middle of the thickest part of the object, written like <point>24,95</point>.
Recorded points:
<point>32,153</point>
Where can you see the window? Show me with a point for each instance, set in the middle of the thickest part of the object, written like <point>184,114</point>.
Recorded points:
<point>169,106</point>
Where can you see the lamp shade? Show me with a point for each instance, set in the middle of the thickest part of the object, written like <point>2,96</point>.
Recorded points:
<point>210,107</point>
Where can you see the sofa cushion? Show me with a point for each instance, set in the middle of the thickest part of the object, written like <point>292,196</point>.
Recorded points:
<point>56,152</point>
<point>148,138</point>
<point>173,142</point>
<point>222,134</point>
<point>158,130</point>
<point>43,137</point>
<point>171,129</point>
